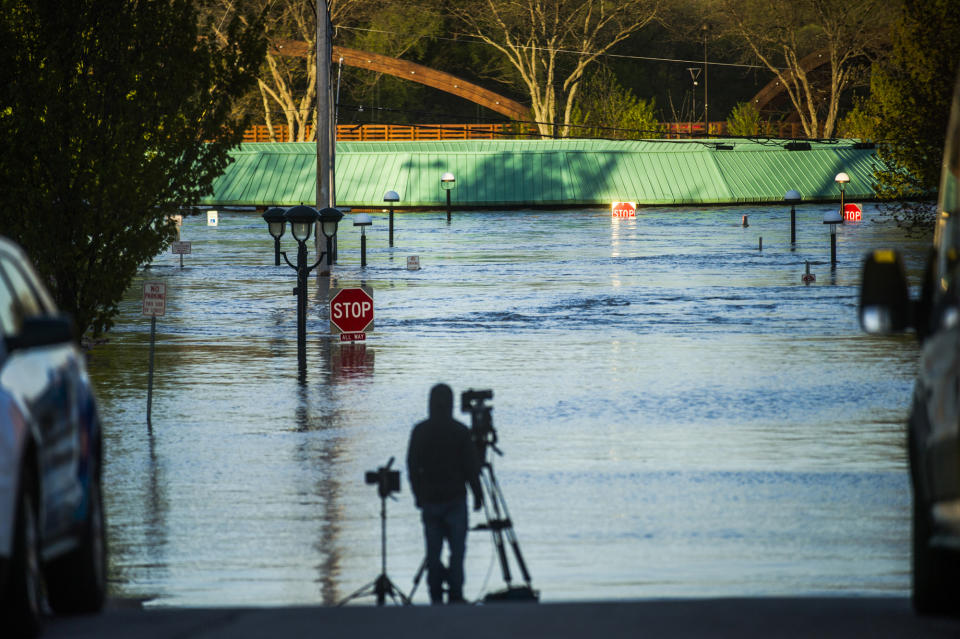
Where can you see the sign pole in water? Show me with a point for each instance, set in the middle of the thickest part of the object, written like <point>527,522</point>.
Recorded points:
<point>181,249</point>
<point>832,218</point>
<point>154,305</point>
<point>793,197</point>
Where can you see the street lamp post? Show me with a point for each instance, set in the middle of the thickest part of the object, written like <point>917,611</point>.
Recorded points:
<point>363,220</point>
<point>694,74</point>
<point>448,183</point>
<point>832,218</point>
<point>301,219</point>
<point>276,223</point>
<point>793,198</point>
<point>390,197</point>
<point>706,119</point>
<point>329,218</point>
<point>841,180</point>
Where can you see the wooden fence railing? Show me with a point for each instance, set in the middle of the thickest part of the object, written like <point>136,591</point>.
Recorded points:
<point>399,132</point>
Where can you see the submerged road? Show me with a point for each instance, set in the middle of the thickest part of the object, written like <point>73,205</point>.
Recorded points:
<point>762,617</point>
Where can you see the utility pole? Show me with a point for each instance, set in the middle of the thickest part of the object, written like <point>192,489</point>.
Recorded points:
<point>694,74</point>
<point>323,122</point>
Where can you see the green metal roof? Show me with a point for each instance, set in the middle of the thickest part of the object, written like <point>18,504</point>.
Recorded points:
<point>546,172</point>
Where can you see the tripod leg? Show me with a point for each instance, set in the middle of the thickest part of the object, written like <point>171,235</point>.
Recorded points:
<point>395,593</point>
<point>417,577</point>
<point>511,535</point>
<point>381,589</point>
<point>492,503</point>
<point>519,556</point>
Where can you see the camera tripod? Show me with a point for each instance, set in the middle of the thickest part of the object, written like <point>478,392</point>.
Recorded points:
<point>500,526</point>
<point>382,586</point>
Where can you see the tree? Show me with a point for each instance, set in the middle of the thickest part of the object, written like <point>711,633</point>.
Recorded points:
<point>744,120</point>
<point>608,110</point>
<point>790,37</point>
<point>287,81</point>
<point>400,32</point>
<point>910,105</point>
<point>551,43</point>
<point>105,110</point>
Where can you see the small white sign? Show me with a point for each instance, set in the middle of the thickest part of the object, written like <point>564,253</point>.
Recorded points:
<point>413,263</point>
<point>212,218</point>
<point>154,299</point>
<point>181,248</point>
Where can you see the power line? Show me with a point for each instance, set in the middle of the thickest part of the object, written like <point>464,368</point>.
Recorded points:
<point>580,53</point>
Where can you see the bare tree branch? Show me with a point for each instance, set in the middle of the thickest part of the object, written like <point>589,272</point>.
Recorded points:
<point>551,43</point>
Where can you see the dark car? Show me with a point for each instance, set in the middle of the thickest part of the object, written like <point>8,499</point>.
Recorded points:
<point>52,542</point>
<point>933,430</point>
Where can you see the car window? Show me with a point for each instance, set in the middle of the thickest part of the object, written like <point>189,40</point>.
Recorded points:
<point>47,305</point>
<point>8,311</point>
<point>25,303</point>
<point>947,236</point>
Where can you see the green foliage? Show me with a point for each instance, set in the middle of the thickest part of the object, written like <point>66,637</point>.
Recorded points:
<point>606,109</point>
<point>910,101</point>
<point>105,106</point>
<point>397,31</point>
<point>859,122</point>
<point>744,120</point>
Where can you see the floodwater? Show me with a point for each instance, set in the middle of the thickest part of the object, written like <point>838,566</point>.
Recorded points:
<point>680,415</point>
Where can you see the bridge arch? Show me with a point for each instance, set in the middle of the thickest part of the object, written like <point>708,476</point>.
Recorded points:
<point>775,89</point>
<point>415,73</point>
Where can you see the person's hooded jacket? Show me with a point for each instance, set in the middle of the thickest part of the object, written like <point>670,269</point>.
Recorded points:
<point>442,459</point>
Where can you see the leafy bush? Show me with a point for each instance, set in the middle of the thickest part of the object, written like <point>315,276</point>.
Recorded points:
<point>605,109</point>
<point>744,120</point>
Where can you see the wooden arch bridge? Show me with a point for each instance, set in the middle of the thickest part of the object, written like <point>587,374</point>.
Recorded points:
<point>414,73</point>
<point>766,98</point>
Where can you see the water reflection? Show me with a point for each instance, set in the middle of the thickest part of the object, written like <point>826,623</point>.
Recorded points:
<point>681,415</point>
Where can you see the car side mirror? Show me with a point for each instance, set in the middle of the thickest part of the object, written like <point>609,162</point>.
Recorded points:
<point>885,305</point>
<point>43,330</point>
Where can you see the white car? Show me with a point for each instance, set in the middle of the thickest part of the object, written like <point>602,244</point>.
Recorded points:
<point>52,536</point>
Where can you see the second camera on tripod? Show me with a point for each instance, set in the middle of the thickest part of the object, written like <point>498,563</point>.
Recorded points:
<point>387,481</point>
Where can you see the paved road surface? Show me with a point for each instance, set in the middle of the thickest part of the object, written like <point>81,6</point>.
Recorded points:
<point>761,618</point>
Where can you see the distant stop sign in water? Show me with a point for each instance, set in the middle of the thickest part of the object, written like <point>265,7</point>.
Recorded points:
<point>351,310</point>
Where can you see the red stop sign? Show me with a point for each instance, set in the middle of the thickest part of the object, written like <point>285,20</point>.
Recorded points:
<point>624,209</point>
<point>351,310</point>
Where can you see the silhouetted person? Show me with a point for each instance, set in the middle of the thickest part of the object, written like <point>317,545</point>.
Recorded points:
<point>441,462</point>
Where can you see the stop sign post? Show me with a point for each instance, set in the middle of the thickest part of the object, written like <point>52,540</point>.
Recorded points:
<point>351,313</point>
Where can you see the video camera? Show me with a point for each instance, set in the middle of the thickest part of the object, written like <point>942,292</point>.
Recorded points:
<point>481,421</point>
<point>386,480</point>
